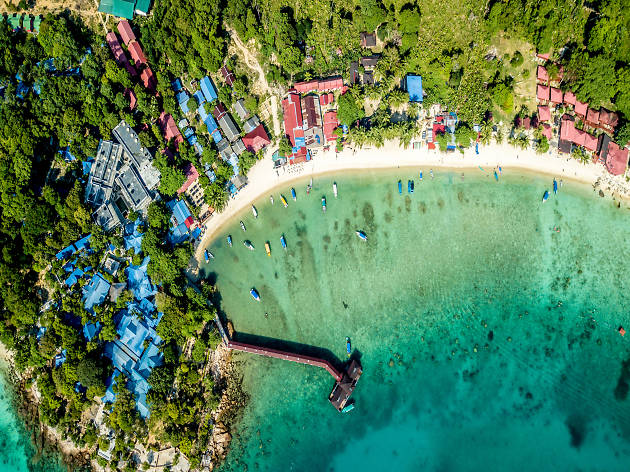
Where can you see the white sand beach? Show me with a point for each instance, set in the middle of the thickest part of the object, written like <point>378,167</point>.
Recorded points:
<point>263,178</point>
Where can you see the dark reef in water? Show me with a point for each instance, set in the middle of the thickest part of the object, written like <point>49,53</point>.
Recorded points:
<point>623,384</point>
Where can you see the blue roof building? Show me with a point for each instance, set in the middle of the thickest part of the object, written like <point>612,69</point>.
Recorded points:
<point>414,87</point>
<point>211,124</point>
<point>90,330</point>
<point>95,292</point>
<point>208,89</point>
<point>216,136</point>
<point>177,85</point>
<point>79,245</point>
<point>138,280</point>
<point>199,97</point>
<point>181,221</point>
<point>182,99</point>
<point>73,278</point>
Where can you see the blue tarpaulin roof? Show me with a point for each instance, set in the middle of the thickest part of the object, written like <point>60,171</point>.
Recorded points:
<point>192,140</point>
<point>77,246</point>
<point>60,358</point>
<point>138,280</point>
<point>73,278</point>
<point>133,237</point>
<point>184,107</point>
<point>208,89</point>
<point>198,148</point>
<point>87,166</point>
<point>216,136</point>
<point>90,330</point>
<point>203,114</point>
<point>188,132</point>
<point>414,88</point>
<point>95,292</point>
<point>177,85</point>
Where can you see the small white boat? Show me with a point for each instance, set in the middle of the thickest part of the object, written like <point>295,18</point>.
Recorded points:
<point>324,204</point>
<point>243,226</point>
<point>254,211</point>
<point>271,199</point>
<point>248,244</point>
<point>335,189</point>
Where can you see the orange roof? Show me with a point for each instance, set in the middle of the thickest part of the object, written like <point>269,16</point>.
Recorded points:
<point>136,52</point>
<point>569,98</point>
<point>590,142</point>
<point>305,87</point>
<point>556,95</point>
<point>542,92</point>
<point>542,74</point>
<point>544,114</point>
<point>126,33</point>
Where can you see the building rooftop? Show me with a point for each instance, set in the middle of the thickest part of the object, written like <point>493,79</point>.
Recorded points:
<point>541,74</point>
<point>136,53</point>
<point>368,40</point>
<point>414,87</point>
<point>256,139</point>
<point>191,174</point>
<point>330,124</point>
<point>542,93</point>
<point>544,113</point>
<point>546,130</point>
<point>555,95</point>
<point>108,216</point>
<point>239,108</point>
<point>251,124</point>
<point>229,127</point>
<point>227,74</point>
<point>102,173</point>
<point>617,159</point>
<point>581,108</point>
<point>208,89</point>
<point>126,33</point>
<point>292,112</point>
<point>120,8</point>
<point>569,98</point>
<point>133,190</point>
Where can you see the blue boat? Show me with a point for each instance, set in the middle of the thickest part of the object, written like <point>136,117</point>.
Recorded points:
<point>496,176</point>
<point>324,204</point>
<point>293,195</point>
<point>205,254</point>
<point>555,186</point>
<point>545,196</point>
<point>412,186</point>
<point>348,346</point>
<point>348,408</point>
<point>361,235</point>
<point>283,242</point>
<point>400,187</point>
<point>229,240</point>
<point>420,176</point>
<point>254,293</point>
<point>409,186</point>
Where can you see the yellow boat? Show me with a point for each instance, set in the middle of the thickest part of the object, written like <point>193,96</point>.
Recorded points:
<point>268,248</point>
<point>284,201</point>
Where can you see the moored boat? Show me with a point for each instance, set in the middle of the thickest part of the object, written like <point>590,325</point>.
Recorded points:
<point>271,199</point>
<point>324,204</point>
<point>335,189</point>
<point>205,254</point>
<point>496,176</point>
<point>409,186</point>
<point>348,408</point>
<point>545,196</point>
<point>348,346</point>
<point>254,211</point>
<point>421,176</point>
<point>284,201</point>
<point>400,187</point>
<point>283,242</point>
<point>361,235</point>
<point>243,226</point>
<point>248,244</point>
<point>210,255</point>
<point>255,295</point>
<point>229,240</point>
<point>413,186</point>
<point>555,186</point>
<point>293,194</point>
<point>268,248</point>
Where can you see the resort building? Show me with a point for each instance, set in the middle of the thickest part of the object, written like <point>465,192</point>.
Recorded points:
<point>103,172</point>
<point>323,85</point>
<point>136,53</point>
<point>251,124</point>
<point>330,124</point>
<point>368,40</point>
<point>119,54</point>
<point>124,8</point>
<point>191,187</point>
<point>125,31</point>
<point>132,189</point>
<point>141,157</point>
<point>413,85</point>
<point>228,127</point>
<point>312,124</point>
<point>241,111</point>
<point>228,76</point>
<point>208,90</point>
<point>256,139</point>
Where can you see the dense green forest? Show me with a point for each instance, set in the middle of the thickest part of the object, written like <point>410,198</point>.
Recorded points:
<point>449,43</point>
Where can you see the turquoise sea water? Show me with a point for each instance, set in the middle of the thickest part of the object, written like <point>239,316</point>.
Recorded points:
<point>17,453</point>
<point>488,339</point>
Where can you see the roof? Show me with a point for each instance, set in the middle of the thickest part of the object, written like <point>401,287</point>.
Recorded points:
<point>227,75</point>
<point>292,112</point>
<point>330,123</point>
<point>136,52</point>
<point>239,108</point>
<point>142,6</point>
<point>414,87</point>
<point>617,159</point>
<point>541,74</point>
<point>546,130</point>
<point>369,62</point>
<point>117,51</point>
<point>608,118</point>
<point>228,127</point>
<point>169,128</point>
<point>581,108</point>
<point>299,155</point>
<point>545,56</point>
<point>238,146</point>
<point>544,113</point>
<point>95,292</point>
<point>542,92</point>
<point>305,87</point>
<point>590,142</point>
<point>569,98</point>
<point>310,111</point>
<point>556,95</point>
<point>131,96</point>
<point>251,124</point>
<point>208,89</point>
<point>354,72</point>
<point>331,83</point>
<point>121,8</point>
<point>602,146</point>
<point>191,175</point>
<point>219,110</point>
<point>256,139</point>
<point>126,33</point>
<point>592,116</point>
<point>368,40</point>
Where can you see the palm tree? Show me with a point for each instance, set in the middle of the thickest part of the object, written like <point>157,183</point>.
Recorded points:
<point>396,98</point>
<point>485,134</point>
<point>216,196</point>
<point>499,137</point>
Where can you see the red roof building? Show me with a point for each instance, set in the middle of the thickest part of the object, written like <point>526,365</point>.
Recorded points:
<point>542,93</point>
<point>191,174</point>
<point>119,54</point>
<point>542,75</point>
<point>292,111</point>
<point>544,113</point>
<point>228,76</point>
<point>544,56</point>
<point>546,130</point>
<point>330,124</point>
<point>136,53</point>
<point>592,116</point>
<point>331,83</point>
<point>301,155</point>
<point>581,108</point>
<point>218,111</point>
<point>306,87</point>
<point>556,95</point>
<point>148,79</point>
<point>131,96</point>
<point>569,98</point>
<point>617,159</point>
<point>590,142</point>
<point>526,122</point>
<point>256,139</point>
<point>170,129</point>
<point>126,33</point>
<point>326,98</point>
<point>608,119</point>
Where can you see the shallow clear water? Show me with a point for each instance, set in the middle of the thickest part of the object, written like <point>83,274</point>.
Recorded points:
<point>488,339</point>
<point>16,451</point>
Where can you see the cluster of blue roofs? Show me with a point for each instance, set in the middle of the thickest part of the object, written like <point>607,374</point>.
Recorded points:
<point>133,237</point>
<point>182,222</point>
<point>207,94</point>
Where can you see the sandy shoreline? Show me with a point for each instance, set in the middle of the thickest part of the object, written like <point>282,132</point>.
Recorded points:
<point>263,178</point>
